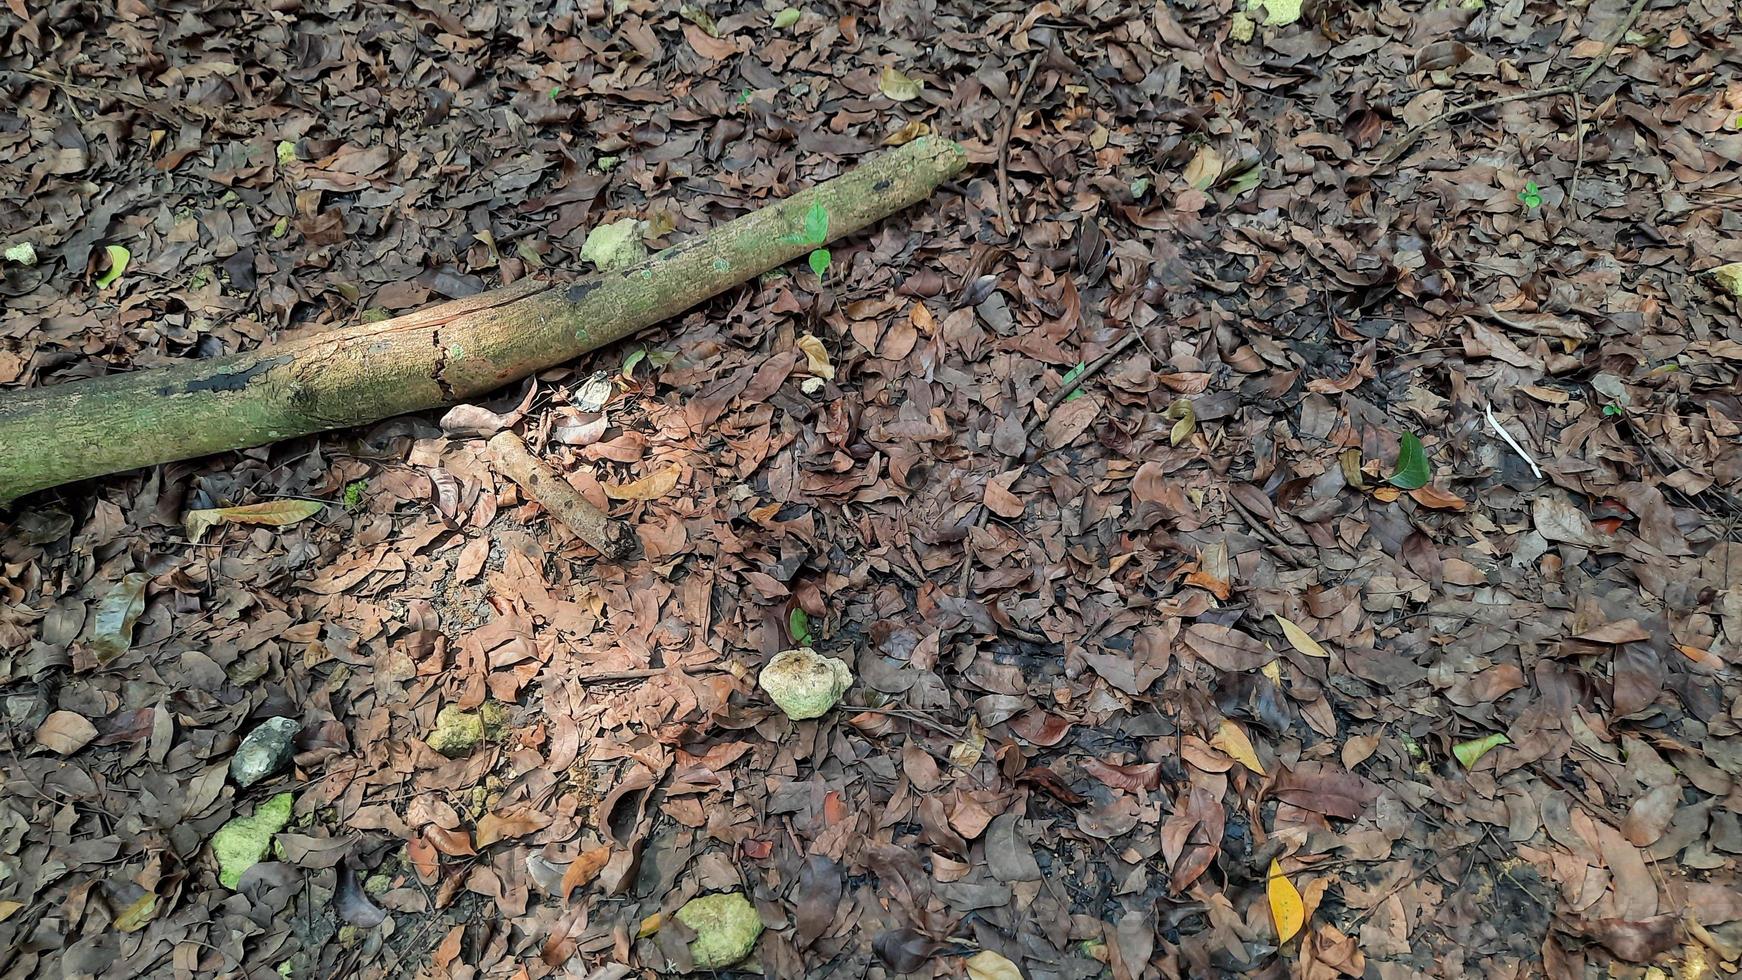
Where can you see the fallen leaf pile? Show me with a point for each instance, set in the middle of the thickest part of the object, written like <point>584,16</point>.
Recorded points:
<point>1376,613</point>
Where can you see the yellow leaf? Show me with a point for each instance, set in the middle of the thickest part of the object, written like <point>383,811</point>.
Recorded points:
<point>274,513</point>
<point>648,487</point>
<point>138,915</point>
<point>1300,639</point>
<point>987,965</point>
<point>913,130</point>
<point>898,86</point>
<point>816,357</point>
<point>650,925</point>
<point>967,752</point>
<point>8,907</point>
<point>1729,276</point>
<point>1204,168</point>
<point>1185,421</point>
<point>1231,739</point>
<point>1273,670</point>
<point>1285,904</point>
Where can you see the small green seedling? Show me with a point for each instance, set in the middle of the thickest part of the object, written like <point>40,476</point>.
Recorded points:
<point>1613,411</point>
<point>555,93</point>
<point>816,232</point>
<point>1531,195</point>
<point>354,494</point>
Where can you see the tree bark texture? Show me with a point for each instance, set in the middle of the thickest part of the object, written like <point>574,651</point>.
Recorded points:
<point>448,353</point>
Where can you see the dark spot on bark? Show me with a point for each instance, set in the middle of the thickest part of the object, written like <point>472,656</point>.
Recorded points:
<point>672,252</point>
<point>579,290</point>
<point>883,184</point>
<point>436,373</point>
<point>225,381</point>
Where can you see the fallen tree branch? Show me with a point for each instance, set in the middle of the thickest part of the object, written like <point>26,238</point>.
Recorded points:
<point>448,353</point>
<point>609,537</point>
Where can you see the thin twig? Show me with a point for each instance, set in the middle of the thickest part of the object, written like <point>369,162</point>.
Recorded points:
<point>1579,154</point>
<point>1578,84</point>
<point>1004,144</point>
<point>1408,139</point>
<point>907,715</point>
<point>1093,368</point>
<point>1053,401</point>
<point>1602,58</point>
<point>151,106</point>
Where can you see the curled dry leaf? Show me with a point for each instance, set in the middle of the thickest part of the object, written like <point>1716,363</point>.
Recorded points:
<point>1434,497</point>
<point>651,487</point>
<point>816,357</point>
<point>898,86</point>
<point>584,868</point>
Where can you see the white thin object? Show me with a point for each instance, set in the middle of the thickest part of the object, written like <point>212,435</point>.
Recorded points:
<point>1494,424</point>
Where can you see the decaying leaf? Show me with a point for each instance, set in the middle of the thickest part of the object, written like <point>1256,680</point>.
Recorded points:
<point>1204,167</point>
<point>65,732</point>
<point>112,624</point>
<point>1286,908</point>
<point>650,487</point>
<point>497,826</point>
<point>895,85</point>
<point>272,513</point>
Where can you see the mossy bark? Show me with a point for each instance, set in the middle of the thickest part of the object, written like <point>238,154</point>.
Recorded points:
<point>363,373</point>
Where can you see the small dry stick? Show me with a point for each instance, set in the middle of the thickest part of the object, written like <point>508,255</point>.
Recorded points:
<point>1579,157</point>
<point>1004,144</point>
<point>1577,85</point>
<point>611,538</point>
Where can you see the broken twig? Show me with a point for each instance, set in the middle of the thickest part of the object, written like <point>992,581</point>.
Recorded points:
<point>610,537</point>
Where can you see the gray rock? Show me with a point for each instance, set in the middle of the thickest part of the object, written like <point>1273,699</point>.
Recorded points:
<point>264,751</point>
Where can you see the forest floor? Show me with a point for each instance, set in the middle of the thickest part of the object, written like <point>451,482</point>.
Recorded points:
<point>1386,585</point>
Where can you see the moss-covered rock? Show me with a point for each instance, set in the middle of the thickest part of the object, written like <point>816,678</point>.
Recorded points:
<point>617,245</point>
<point>804,683</point>
<point>726,926</point>
<point>244,841</point>
<point>456,732</point>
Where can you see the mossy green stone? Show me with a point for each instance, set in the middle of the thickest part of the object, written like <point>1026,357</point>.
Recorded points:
<point>456,731</point>
<point>726,926</point>
<point>241,843</point>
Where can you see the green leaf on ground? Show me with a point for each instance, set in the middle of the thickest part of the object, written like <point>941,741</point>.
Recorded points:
<point>118,259</point>
<point>1470,752</point>
<point>820,261</point>
<point>1531,195</point>
<point>798,623</point>
<point>1071,376</point>
<point>786,18</point>
<point>1412,471</point>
